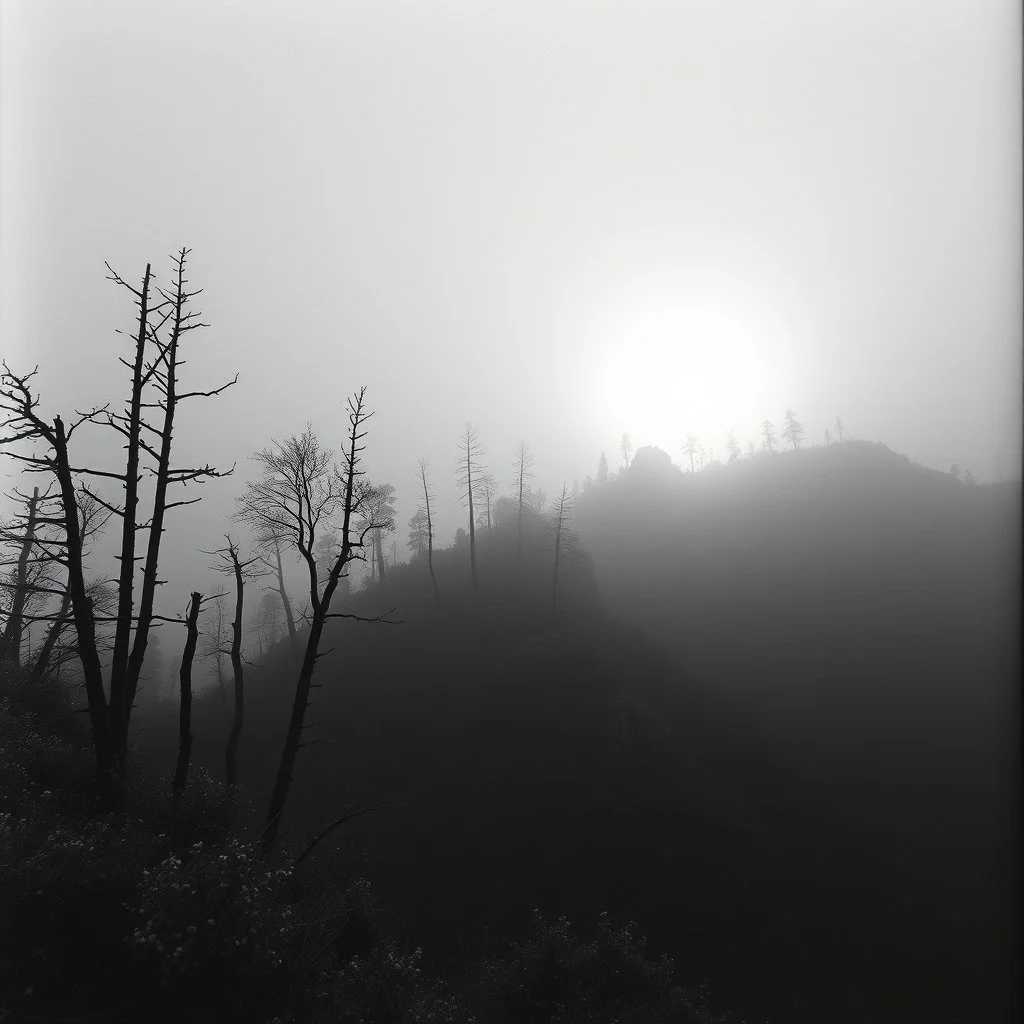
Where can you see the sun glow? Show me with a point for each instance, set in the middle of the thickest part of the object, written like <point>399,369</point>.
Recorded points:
<point>667,369</point>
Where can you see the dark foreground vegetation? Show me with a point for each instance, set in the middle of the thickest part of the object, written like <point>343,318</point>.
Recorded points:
<point>149,912</point>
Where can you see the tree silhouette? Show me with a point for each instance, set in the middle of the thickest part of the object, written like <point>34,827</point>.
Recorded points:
<point>690,448</point>
<point>625,449</point>
<point>155,366</point>
<point>215,645</point>
<point>429,526</point>
<point>269,547</point>
<point>303,492</point>
<point>793,431</point>
<point>162,371</point>
<point>185,697</point>
<point>229,563</point>
<point>769,436</point>
<point>24,536</point>
<point>486,487</point>
<point>561,518</point>
<point>522,464</point>
<point>839,430</point>
<point>828,438</point>
<point>379,509</point>
<point>732,446</point>
<point>469,470</point>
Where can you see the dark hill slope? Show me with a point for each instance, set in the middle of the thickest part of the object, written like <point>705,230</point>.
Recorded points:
<point>571,764</point>
<point>861,616</point>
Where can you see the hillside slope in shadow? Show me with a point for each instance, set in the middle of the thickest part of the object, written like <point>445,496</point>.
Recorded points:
<point>769,723</point>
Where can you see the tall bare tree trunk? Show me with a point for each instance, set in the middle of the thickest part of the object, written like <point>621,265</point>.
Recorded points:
<point>231,751</point>
<point>119,687</point>
<point>378,547</point>
<point>293,740</point>
<point>185,703</point>
<point>289,618</point>
<point>10,644</point>
<point>472,524</point>
<point>156,529</point>
<point>42,662</point>
<point>85,625</point>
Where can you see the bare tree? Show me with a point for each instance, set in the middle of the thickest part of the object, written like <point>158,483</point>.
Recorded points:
<point>155,365</point>
<point>469,469</point>
<point>216,646</point>
<point>732,446</point>
<point>54,651</point>
<point>839,430</point>
<point>185,696</point>
<point>24,537</point>
<point>625,449</point>
<point>302,492</point>
<point>561,518</point>
<point>164,372</point>
<point>378,508</point>
<point>22,421</point>
<point>487,486</point>
<point>769,436</point>
<point>523,466</point>
<point>690,448</point>
<point>269,545</point>
<point>229,563</point>
<point>793,431</point>
<point>429,525</point>
<point>417,542</point>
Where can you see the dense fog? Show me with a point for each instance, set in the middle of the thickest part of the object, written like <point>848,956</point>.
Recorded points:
<point>479,475</point>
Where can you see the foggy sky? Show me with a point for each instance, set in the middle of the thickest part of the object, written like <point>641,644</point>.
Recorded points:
<point>559,220</point>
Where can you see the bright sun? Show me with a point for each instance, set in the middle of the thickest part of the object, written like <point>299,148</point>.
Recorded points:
<point>666,369</point>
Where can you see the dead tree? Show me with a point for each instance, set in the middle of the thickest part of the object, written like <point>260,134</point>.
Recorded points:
<point>181,320</point>
<point>10,639</point>
<point>469,469</point>
<point>185,697</point>
<point>92,520</point>
<point>230,564</point>
<point>303,493</point>
<point>155,366</point>
<point>430,527</point>
<point>217,647</point>
<point>625,449</point>
<point>561,518</point>
<point>487,486</point>
<point>379,508</point>
<point>270,546</point>
<point>522,464</point>
<point>22,421</point>
<point>690,448</point>
<point>793,431</point>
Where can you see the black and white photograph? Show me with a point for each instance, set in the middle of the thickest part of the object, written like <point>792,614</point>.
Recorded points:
<point>510,511</point>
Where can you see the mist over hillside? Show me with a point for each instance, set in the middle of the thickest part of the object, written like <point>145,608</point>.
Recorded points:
<point>773,720</point>
<point>448,570</point>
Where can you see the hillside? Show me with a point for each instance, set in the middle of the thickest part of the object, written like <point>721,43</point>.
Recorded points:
<point>772,723</point>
